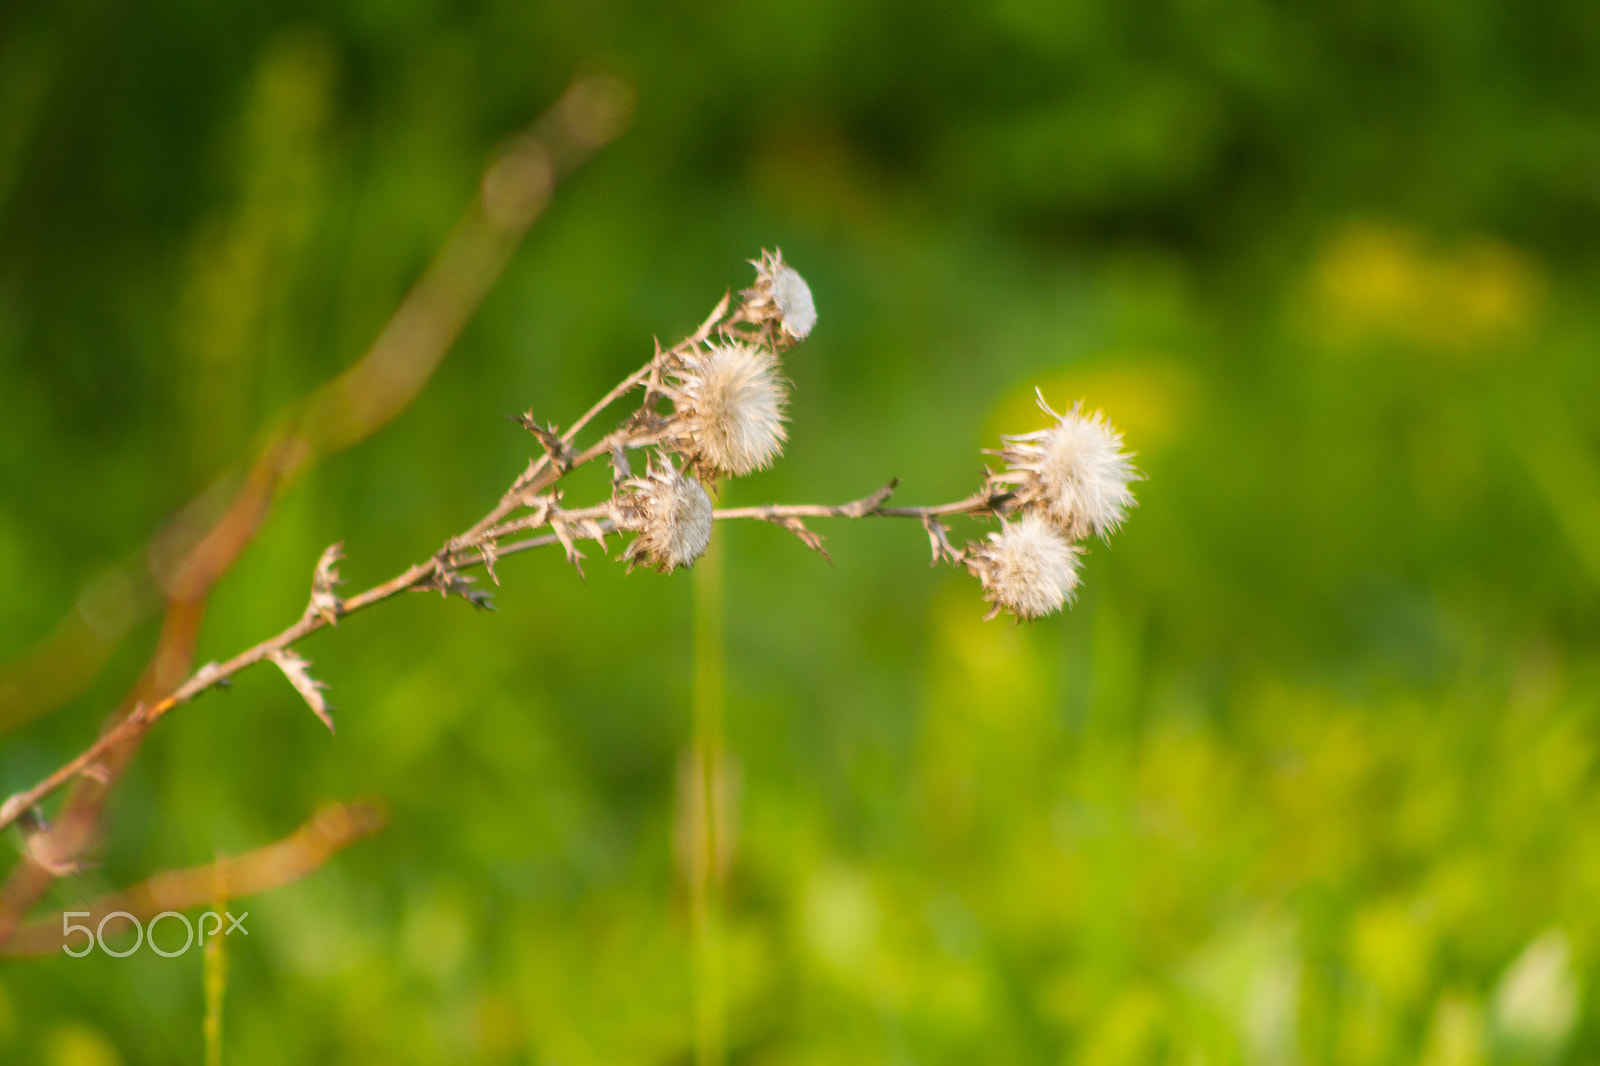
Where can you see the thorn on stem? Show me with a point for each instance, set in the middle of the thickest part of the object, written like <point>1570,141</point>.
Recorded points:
<point>446,581</point>
<point>807,537</point>
<point>574,556</point>
<point>298,671</point>
<point>939,538</point>
<point>620,470</point>
<point>550,439</point>
<point>862,508</point>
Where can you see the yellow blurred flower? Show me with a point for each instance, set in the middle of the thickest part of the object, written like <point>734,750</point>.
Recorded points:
<point>1374,281</point>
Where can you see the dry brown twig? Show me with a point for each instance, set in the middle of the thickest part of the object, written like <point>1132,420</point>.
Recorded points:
<point>712,407</point>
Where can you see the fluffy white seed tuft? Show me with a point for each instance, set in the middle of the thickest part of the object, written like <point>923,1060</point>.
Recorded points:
<point>780,293</point>
<point>1075,472</point>
<point>1027,568</point>
<point>730,403</point>
<point>672,515</point>
<point>793,297</point>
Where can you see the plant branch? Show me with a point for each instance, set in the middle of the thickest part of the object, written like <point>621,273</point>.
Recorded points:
<point>483,544</point>
<point>437,572</point>
<point>459,554</point>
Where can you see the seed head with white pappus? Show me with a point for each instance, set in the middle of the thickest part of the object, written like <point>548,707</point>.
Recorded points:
<point>672,515</point>
<point>1075,472</point>
<point>730,403</point>
<point>782,295</point>
<point>1027,568</point>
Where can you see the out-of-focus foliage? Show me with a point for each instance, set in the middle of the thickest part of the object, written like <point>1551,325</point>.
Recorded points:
<point>1309,775</point>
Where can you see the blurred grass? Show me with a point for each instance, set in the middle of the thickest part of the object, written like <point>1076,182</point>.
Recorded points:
<point>1306,776</point>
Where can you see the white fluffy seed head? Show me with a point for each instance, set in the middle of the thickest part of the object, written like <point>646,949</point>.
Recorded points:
<point>1027,568</point>
<point>793,297</point>
<point>1075,472</point>
<point>730,403</point>
<point>672,515</point>
<point>781,294</point>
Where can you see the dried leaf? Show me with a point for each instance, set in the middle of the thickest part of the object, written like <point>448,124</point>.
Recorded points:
<point>324,601</point>
<point>298,671</point>
<point>574,556</point>
<point>938,537</point>
<point>447,582</point>
<point>620,470</point>
<point>862,508</point>
<point>594,531</point>
<point>807,537</point>
<point>550,439</point>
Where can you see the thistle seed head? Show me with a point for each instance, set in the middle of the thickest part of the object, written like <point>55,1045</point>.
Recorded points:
<point>1027,568</point>
<point>730,403</point>
<point>781,295</point>
<point>1075,472</point>
<point>672,515</point>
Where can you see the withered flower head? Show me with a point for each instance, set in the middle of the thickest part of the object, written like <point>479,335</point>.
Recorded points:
<point>730,403</point>
<point>782,295</point>
<point>1027,568</point>
<point>671,514</point>
<point>1075,472</point>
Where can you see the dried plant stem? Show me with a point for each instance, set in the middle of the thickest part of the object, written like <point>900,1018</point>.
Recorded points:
<point>102,759</point>
<point>458,555</point>
<point>545,470</point>
<point>866,507</point>
<point>531,503</point>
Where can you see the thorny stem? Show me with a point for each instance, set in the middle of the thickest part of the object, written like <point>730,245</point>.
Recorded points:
<point>867,507</point>
<point>459,554</point>
<point>540,475</point>
<point>981,503</point>
<point>479,545</point>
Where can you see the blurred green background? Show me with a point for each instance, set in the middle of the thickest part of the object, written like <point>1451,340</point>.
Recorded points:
<point>1308,775</point>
